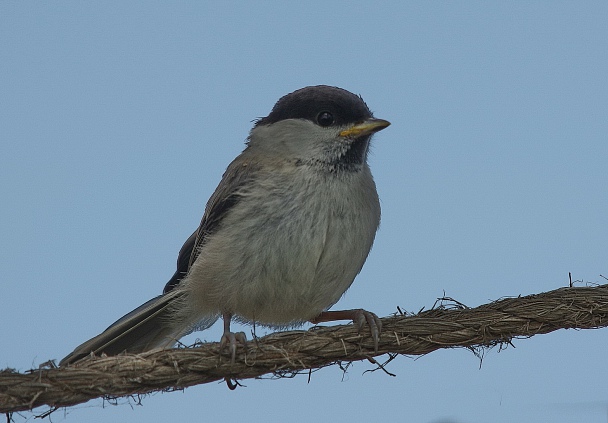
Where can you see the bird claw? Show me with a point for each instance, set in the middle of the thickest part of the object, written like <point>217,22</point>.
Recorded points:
<point>231,339</point>
<point>359,317</point>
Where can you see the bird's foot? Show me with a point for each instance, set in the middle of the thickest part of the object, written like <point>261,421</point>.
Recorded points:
<point>359,317</point>
<point>230,339</point>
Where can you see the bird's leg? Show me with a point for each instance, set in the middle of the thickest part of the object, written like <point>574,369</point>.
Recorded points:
<point>359,317</point>
<point>231,338</point>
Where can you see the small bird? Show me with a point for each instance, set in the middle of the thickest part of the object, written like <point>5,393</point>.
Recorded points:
<point>282,238</point>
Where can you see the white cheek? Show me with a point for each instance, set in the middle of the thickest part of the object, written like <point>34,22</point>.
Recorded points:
<point>297,139</point>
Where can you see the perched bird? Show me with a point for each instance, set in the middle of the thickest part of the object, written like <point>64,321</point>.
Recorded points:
<point>283,236</point>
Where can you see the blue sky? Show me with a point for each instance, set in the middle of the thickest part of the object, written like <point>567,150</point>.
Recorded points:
<point>117,120</point>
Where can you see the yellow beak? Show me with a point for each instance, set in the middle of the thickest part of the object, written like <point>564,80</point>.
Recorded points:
<point>365,128</point>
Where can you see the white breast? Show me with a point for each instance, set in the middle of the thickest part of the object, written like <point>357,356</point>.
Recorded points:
<point>289,250</point>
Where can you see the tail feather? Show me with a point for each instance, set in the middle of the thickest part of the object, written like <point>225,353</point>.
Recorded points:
<point>147,327</point>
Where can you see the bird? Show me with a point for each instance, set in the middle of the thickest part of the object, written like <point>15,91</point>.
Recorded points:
<point>282,237</point>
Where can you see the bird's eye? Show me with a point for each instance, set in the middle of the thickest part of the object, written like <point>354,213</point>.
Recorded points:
<point>325,119</point>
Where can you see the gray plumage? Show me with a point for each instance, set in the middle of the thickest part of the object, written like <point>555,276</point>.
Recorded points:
<point>284,234</point>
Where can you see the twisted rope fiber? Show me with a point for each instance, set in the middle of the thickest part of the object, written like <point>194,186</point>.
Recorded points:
<point>288,353</point>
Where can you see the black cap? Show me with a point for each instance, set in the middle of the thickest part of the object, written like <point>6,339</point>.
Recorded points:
<point>309,102</point>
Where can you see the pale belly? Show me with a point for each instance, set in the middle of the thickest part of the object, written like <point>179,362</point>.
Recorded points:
<point>279,269</point>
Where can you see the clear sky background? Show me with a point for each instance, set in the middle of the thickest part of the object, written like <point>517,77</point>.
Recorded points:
<point>117,120</point>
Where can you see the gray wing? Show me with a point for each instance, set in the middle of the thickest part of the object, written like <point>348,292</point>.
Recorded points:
<point>150,325</point>
<point>238,174</point>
